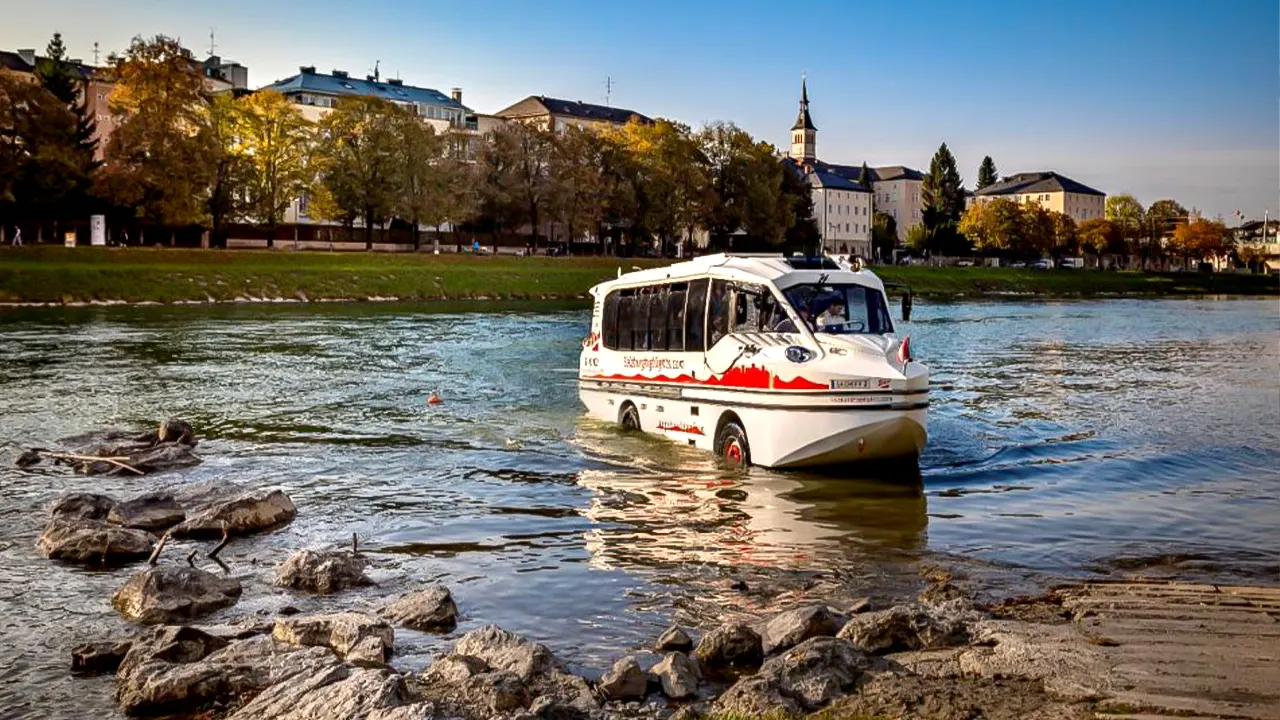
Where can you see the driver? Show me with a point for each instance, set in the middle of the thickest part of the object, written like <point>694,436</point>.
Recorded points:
<point>833,319</point>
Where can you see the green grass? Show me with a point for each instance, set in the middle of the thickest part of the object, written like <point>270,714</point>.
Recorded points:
<point>56,275</point>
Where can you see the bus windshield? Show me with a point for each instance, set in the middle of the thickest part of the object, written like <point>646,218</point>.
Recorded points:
<point>840,308</point>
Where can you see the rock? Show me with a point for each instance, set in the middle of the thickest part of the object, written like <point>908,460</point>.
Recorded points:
<point>154,511</point>
<point>82,506</point>
<point>753,697</point>
<point>178,431</point>
<point>674,639</point>
<point>241,629</point>
<point>625,681</point>
<point>454,669</point>
<point>499,691</point>
<point>336,694</point>
<point>793,627</point>
<point>174,594</point>
<point>692,711</point>
<point>322,572</point>
<point>99,657</point>
<point>800,680</point>
<point>729,649</point>
<point>180,669</point>
<point>429,610</point>
<point>1070,667</point>
<point>27,459</point>
<point>92,541</point>
<point>357,637</point>
<point>572,695</point>
<point>905,627</point>
<point>679,675</point>
<point>503,650</point>
<point>248,513</point>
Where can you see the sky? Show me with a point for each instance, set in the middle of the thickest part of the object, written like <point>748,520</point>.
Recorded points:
<point>1159,99</point>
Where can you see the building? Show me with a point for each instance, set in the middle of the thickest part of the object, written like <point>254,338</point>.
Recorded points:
<point>842,210</point>
<point>837,189</point>
<point>318,92</point>
<point>1051,191</point>
<point>553,113</point>
<point>898,195</point>
<point>228,71</point>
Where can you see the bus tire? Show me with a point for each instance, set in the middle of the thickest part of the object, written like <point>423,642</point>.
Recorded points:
<point>731,445</point>
<point>629,418</point>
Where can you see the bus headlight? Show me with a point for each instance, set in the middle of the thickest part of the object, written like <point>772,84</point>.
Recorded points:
<point>798,354</point>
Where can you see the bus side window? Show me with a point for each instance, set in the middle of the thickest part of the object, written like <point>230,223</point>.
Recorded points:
<point>626,317</point>
<point>718,319</point>
<point>658,318</point>
<point>675,320</point>
<point>640,327</point>
<point>696,317</point>
<point>609,321</point>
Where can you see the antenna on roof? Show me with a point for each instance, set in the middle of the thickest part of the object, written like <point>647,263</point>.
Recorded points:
<point>608,89</point>
<point>376,77</point>
<point>95,52</point>
<point>212,45</point>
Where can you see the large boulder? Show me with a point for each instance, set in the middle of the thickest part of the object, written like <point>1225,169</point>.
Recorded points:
<point>503,650</point>
<point>495,692</point>
<point>678,674</point>
<point>802,679</point>
<point>178,670</point>
<point>674,639</point>
<point>154,511</point>
<point>430,610</point>
<point>730,649</point>
<point>247,513</point>
<point>357,637</point>
<point>453,669</point>
<point>624,681</point>
<point>336,694</point>
<point>793,627</point>
<point>906,627</point>
<point>80,540</point>
<point>174,594</point>
<point>322,572</point>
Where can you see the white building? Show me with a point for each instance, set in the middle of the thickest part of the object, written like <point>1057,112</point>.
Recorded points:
<point>842,209</point>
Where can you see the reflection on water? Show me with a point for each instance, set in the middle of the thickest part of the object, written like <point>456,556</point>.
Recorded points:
<point>1068,438</point>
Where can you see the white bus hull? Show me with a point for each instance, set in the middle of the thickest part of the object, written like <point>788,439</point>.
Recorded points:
<point>791,432</point>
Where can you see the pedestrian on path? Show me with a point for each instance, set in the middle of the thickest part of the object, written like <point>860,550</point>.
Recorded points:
<point>17,237</point>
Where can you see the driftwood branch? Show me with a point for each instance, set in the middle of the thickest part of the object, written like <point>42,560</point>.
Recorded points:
<point>355,544</point>
<point>117,461</point>
<point>213,554</point>
<point>155,554</point>
<point>191,557</point>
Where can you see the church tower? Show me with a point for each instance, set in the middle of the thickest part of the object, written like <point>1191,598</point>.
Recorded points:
<point>804,136</point>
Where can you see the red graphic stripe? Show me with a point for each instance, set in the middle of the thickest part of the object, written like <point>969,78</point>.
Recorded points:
<point>749,378</point>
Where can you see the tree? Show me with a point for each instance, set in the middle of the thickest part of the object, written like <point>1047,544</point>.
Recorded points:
<point>159,162</point>
<point>987,173</point>
<point>421,180</point>
<point>1099,236</point>
<point>230,169</point>
<point>63,81</point>
<point>942,192</point>
<point>1127,214</point>
<point>1201,239</point>
<point>275,142</point>
<point>802,230</point>
<point>1162,217</point>
<point>358,171</point>
<point>38,169</point>
<point>1064,235</point>
<point>977,225</point>
<point>884,235</point>
<point>672,181</point>
<point>918,238</point>
<point>578,183</point>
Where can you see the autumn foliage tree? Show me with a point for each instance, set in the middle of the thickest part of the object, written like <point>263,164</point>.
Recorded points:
<point>275,143</point>
<point>1201,239</point>
<point>159,161</point>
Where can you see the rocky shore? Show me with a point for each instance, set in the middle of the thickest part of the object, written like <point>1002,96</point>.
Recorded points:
<point>824,654</point>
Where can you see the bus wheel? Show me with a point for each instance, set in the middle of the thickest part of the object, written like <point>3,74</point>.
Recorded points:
<point>630,418</point>
<point>731,445</point>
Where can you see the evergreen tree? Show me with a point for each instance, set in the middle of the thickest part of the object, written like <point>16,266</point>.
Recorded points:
<point>866,178</point>
<point>987,173</point>
<point>943,194</point>
<point>63,79</point>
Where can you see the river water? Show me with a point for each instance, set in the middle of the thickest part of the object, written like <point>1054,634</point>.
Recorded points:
<point>1071,439</point>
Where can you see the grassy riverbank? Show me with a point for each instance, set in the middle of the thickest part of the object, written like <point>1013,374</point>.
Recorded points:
<point>60,275</point>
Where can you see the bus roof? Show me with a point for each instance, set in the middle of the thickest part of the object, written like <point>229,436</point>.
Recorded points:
<point>775,268</point>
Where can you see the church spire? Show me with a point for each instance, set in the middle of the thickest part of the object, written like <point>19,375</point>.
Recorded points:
<point>803,121</point>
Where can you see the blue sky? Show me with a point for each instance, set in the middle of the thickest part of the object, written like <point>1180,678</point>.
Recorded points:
<point>1159,99</point>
